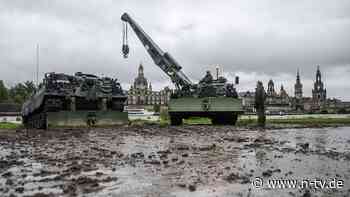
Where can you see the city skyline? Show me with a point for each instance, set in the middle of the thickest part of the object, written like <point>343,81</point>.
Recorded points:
<point>262,40</point>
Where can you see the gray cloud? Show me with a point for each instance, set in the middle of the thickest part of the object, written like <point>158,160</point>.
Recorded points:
<point>257,39</point>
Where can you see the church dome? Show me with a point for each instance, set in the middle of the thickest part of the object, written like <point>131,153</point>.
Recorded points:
<point>140,81</point>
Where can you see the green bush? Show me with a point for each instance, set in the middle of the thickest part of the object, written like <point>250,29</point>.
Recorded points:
<point>156,108</point>
<point>164,115</point>
<point>342,111</point>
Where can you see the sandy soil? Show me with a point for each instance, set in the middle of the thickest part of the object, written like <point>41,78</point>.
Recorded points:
<point>172,161</point>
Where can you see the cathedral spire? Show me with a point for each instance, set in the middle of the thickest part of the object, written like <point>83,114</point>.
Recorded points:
<point>318,74</point>
<point>319,93</point>
<point>298,77</point>
<point>298,87</point>
<point>141,70</point>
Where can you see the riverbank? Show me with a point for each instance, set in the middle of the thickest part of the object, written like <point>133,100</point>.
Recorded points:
<point>292,121</point>
<point>287,121</point>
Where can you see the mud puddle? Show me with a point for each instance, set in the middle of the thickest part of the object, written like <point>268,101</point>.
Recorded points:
<point>174,161</point>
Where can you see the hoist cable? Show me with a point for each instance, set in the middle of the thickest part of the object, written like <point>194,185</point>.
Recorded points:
<point>126,33</point>
<point>123,34</point>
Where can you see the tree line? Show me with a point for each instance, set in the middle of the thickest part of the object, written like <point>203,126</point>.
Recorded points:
<point>17,93</point>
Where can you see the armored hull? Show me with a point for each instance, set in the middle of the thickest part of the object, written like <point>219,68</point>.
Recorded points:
<point>221,110</point>
<point>78,100</point>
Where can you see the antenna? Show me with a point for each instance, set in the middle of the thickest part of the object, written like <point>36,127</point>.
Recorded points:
<point>217,72</point>
<point>37,65</point>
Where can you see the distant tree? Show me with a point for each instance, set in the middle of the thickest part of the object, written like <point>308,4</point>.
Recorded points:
<point>22,91</point>
<point>324,111</point>
<point>342,111</point>
<point>30,87</point>
<point>18,93</point>
<point>3,92</point>
<point>18,99</point>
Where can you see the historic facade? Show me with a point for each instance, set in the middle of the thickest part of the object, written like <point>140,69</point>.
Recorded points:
<point>318,102</point>
<point>248,101</point>
<point>271,89</point>
<point>298,87</point>
<point>141,93</point>
<point>319,93</point>
<point>298,94</point>
<point>281,102</point>
<point>276,102</point>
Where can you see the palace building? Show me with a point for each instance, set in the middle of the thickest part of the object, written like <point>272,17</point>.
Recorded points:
<point>281,102</point>
<point>276,102</point>
<point>141,93</point>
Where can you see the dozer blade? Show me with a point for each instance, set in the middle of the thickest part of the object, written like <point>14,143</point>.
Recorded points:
<point>86,118</point>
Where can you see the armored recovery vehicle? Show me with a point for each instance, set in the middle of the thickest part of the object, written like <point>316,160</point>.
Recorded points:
<point>213,98</point>
<point>75,100</point>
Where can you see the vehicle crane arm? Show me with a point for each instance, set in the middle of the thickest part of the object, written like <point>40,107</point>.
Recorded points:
<point>162,59</point>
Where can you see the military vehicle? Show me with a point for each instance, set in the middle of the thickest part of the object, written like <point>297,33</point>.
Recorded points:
<point>75,100</point>
<point>213,98</point>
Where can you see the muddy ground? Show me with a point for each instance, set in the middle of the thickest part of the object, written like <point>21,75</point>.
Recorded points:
<point>172,161</point>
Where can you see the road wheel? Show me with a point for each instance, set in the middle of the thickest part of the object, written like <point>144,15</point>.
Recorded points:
<point>175,120</point>
<point>232,119</point>
<point>224,119</point>
<point>218,120</point>
<point>43,122</point>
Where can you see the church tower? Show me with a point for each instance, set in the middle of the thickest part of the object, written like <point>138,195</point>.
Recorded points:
<point>298,87</point>
<point>319,93</point>
<point>283,92</point>
<point>141,94</point>
<point>141,71</point>
<point>140,81</point>
<point>271,89</point>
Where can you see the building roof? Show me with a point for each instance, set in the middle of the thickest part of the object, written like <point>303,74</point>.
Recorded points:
<point>10,107</point>
<point>246,94</point>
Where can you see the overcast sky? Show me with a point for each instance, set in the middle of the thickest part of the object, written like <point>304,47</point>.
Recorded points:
<point>256,40</point>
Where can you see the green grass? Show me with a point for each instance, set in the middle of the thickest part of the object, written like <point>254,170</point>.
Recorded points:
<point>310,121</point>
<point>197,120</point>
<point>306,121</point>
<point>7,125</point>
<point>246,122</point>
<point>140,122</point>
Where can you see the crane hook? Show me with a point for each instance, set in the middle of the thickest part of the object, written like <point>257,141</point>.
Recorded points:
<point>125,47</point>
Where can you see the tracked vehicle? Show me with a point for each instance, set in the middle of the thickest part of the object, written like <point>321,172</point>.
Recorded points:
<point>75,100</point>
<point>213,98</point>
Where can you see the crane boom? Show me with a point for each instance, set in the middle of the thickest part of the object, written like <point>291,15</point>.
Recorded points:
<point>162,59</point>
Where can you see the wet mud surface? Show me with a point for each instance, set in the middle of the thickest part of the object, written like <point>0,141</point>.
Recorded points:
<point>172,161</point>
